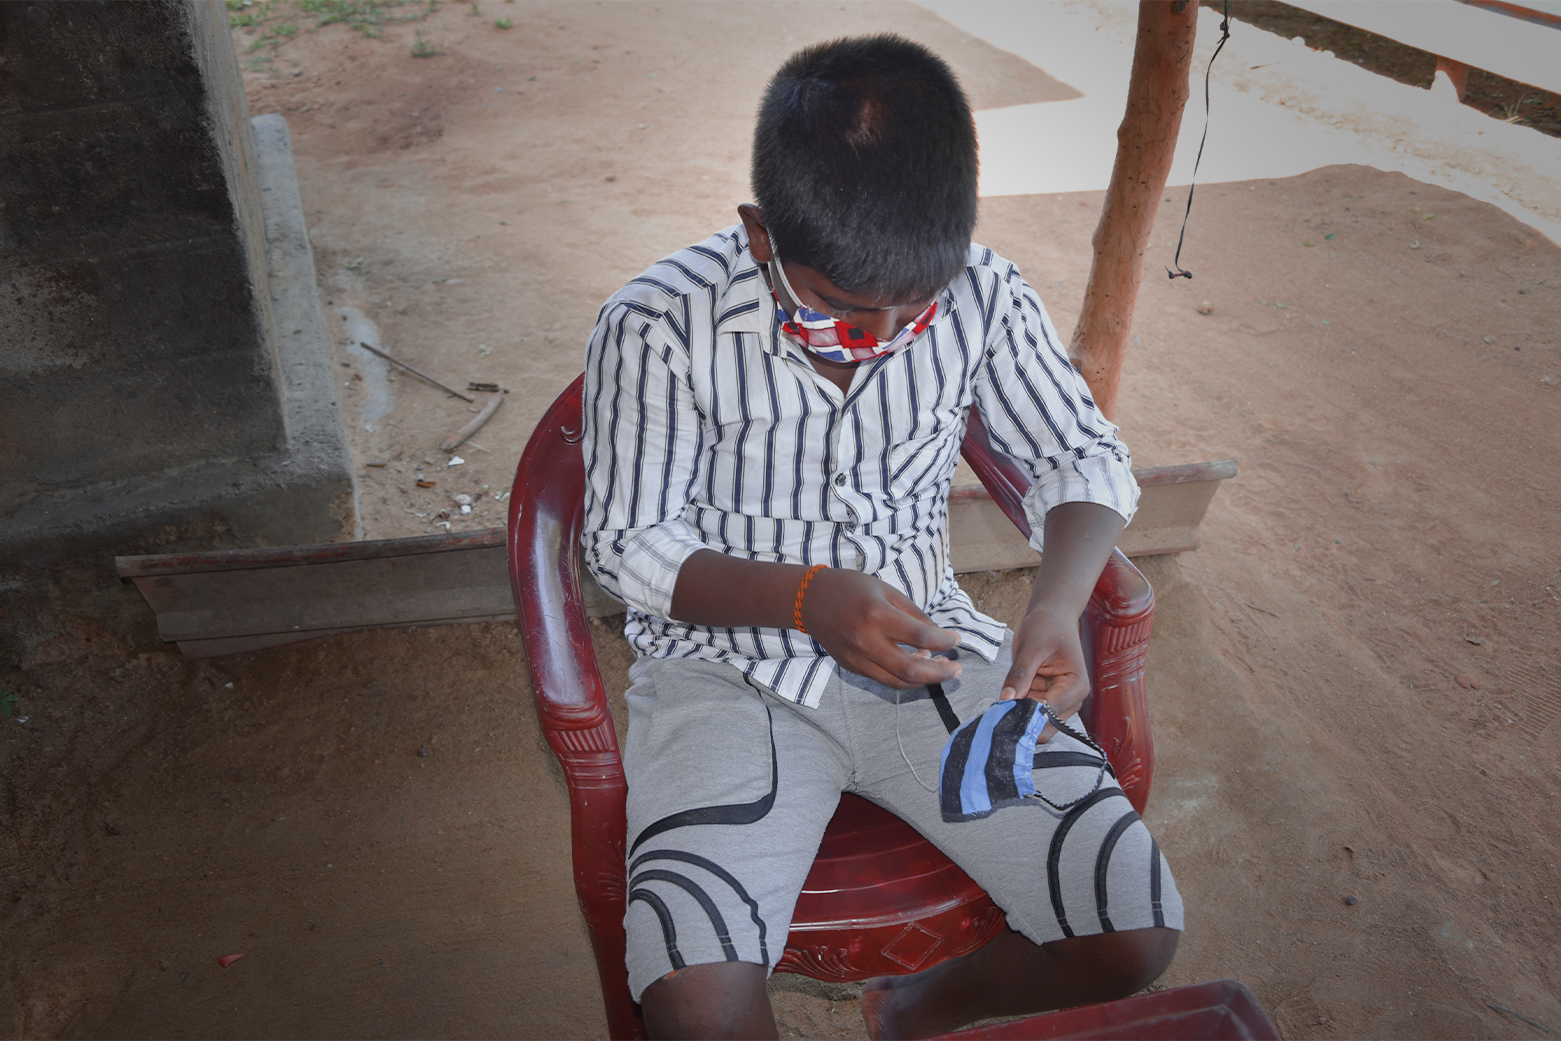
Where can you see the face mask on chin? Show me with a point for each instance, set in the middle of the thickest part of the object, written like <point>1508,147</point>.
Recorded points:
<point>833,339</point>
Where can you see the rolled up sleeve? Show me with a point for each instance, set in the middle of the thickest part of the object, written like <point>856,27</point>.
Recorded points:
<point>641,446</point>
<point>1038,411</point>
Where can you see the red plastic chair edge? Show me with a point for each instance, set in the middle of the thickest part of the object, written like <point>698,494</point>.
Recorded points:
<point>1153,1015</point>
<point>1114,629</point>
<point>570,699</point>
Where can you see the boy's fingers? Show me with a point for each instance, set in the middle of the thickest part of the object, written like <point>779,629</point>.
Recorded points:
<point>919,672</point>
<point>904,670</point>
<point>914,631</point>
<point>932,636</point>
<point>1020,677</point>
<point>894,666</point>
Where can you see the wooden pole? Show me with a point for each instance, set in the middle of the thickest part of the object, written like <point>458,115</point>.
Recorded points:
<point>1146,142</point>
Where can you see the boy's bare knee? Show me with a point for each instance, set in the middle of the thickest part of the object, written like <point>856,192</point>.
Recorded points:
<point>1148,953</point>
<point>720,1000</point>
<point>1130,961</point>
<point>1108,966</point>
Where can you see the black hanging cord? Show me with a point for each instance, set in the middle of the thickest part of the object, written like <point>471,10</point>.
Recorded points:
<point>1181,272</point>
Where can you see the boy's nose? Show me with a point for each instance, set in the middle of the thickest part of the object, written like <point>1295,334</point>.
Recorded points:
<point>885,325</point>
<point>877,324</point>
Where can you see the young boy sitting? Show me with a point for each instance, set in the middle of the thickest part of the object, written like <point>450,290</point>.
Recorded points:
<point>773,418</point>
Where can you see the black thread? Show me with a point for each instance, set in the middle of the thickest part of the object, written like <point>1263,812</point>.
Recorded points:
<point>1181,272</point>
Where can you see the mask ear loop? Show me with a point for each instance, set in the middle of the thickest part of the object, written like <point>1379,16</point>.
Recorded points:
<point>900,741</point>
<point>1084,739</point>
<point>780,273</point>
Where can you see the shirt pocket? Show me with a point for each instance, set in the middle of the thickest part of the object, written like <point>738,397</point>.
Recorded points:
<point>917,463</point>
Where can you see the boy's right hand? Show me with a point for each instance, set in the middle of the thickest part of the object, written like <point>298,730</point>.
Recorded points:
<point>866,624</point>
<point>863,622</point>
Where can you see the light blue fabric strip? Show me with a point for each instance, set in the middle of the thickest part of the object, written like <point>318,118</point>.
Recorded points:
<point>1024,752</point>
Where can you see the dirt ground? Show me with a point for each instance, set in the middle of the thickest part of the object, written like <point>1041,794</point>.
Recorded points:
<point>1355,682</point>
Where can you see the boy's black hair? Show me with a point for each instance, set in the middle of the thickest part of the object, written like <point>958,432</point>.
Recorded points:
<point>864,165</point>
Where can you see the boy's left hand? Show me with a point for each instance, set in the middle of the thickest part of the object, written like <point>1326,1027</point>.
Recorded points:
<point>1048,664</point>
<point>1048,658</point>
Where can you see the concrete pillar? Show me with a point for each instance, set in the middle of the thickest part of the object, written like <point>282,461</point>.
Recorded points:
<point>164,368</point>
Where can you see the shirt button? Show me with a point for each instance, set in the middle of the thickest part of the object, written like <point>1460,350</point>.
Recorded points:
<point>840,479</point>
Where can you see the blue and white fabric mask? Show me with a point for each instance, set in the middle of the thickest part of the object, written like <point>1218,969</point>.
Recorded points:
<point>989,762</point>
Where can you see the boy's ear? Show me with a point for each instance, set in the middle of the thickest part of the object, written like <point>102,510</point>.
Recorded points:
<point>758,235</point>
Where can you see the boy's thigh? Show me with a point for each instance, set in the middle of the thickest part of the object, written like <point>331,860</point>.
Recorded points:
<point>1090,868</point>
<point>729,794</point>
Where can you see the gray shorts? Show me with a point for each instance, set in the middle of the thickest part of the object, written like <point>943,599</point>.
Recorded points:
<point>730,788</point>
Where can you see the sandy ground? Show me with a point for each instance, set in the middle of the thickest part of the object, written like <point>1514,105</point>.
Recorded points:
<point>374,821</point>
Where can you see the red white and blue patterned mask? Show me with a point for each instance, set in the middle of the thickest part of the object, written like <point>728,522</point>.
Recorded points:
<point>836,340</point>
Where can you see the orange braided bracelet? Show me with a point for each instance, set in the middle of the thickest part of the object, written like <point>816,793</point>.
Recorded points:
<point>796,611</point>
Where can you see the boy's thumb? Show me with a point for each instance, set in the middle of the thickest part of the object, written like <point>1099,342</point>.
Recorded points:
<point>1017,683</point>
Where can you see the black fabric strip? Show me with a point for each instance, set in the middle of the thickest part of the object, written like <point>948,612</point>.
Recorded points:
<point>687,884</point>
<point>1180,272</point>
<point>741,813</point>
<point>1002,759</point>
<point>1154,883</point>
<point>1054,856</point>
<point>945,711</point>
<point>954,774</point>
<point>1103,864</point>
<point>719,872</point>
<point>669,931</point>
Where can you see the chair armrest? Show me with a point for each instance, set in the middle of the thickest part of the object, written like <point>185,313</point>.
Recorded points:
<point>1114,632</point>
<point>547,510</point>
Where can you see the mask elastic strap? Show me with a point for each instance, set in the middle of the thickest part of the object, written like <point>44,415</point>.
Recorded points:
<point>780,273</point>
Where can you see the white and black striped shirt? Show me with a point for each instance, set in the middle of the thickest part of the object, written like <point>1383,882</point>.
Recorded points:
<point>706,427</point>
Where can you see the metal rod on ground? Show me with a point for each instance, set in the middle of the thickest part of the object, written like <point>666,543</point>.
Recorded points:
<point>454,441</point>
<point>415,372</point>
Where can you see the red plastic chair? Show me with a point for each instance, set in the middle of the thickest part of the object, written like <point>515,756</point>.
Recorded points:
<point>880,899</point>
